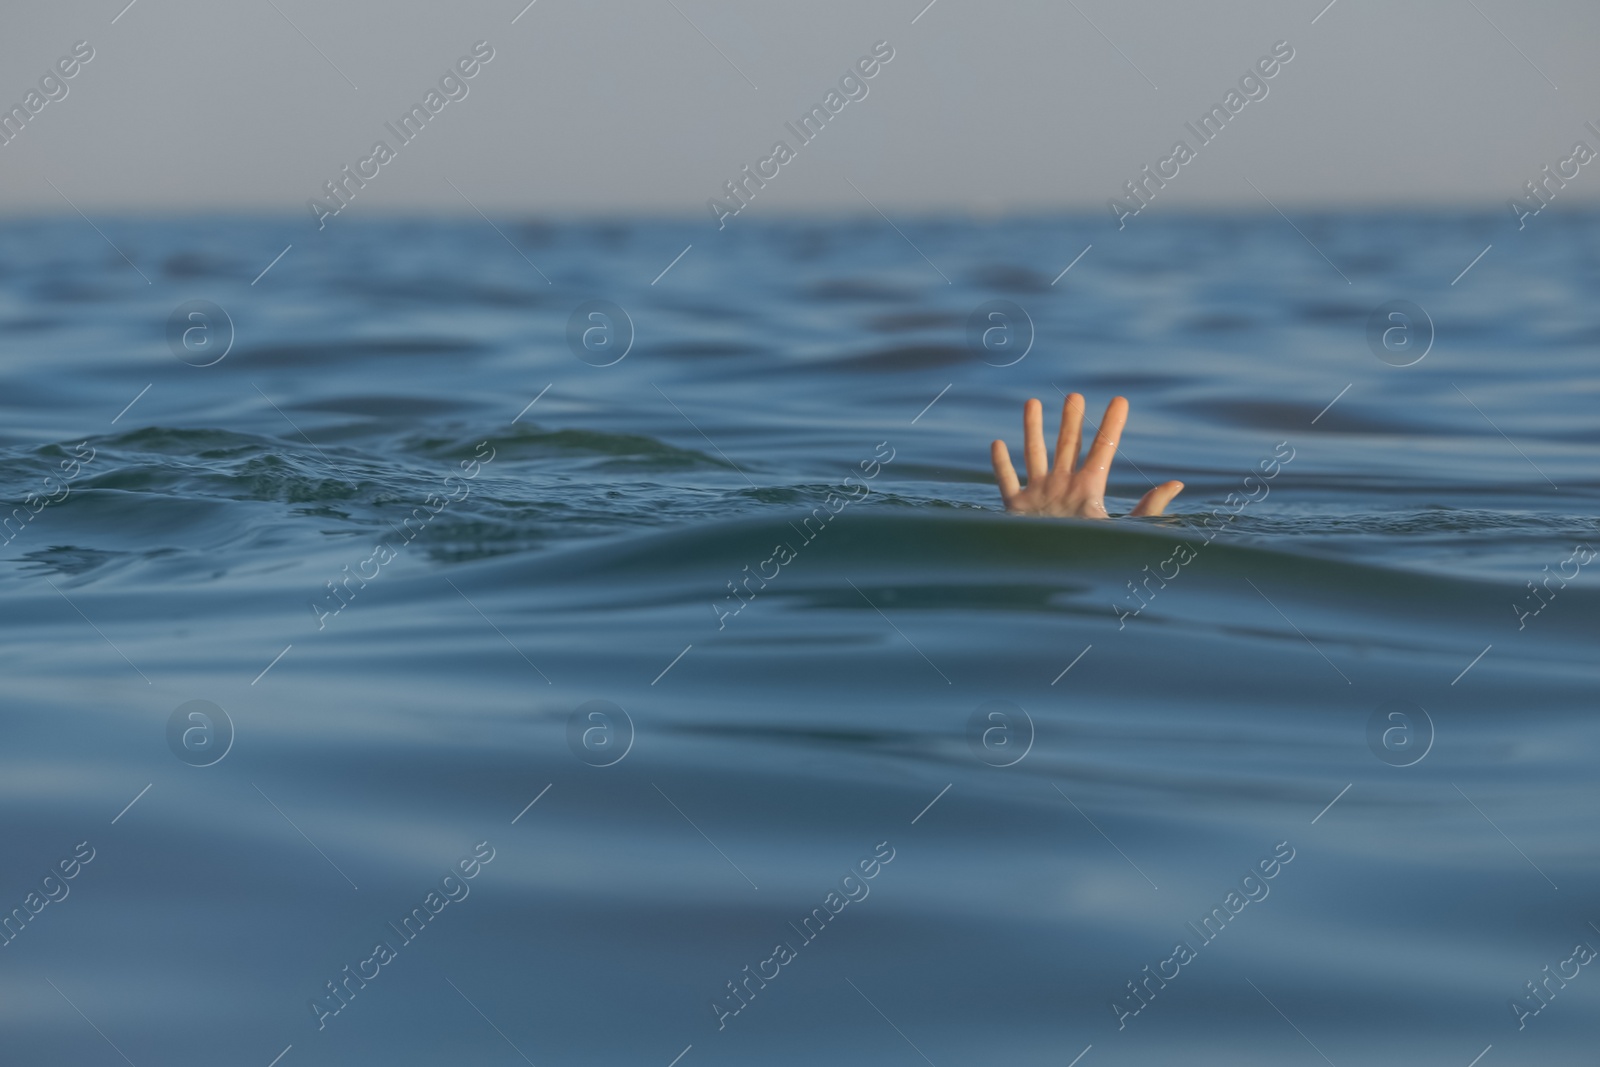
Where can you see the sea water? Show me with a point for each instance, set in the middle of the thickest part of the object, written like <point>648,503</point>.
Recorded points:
<point>433,671</point>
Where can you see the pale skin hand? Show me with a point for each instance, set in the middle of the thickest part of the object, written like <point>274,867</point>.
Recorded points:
<point>1070,489</point>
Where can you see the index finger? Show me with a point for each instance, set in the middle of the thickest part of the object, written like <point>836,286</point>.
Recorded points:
<point>1097,466</point>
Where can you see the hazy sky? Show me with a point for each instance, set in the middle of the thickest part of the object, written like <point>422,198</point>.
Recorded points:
<point>651,105</point>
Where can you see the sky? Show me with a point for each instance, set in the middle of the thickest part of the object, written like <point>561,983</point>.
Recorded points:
<point>650,106</point>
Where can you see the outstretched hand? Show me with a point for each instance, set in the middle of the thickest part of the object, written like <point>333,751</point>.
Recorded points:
<point>1070,489</point>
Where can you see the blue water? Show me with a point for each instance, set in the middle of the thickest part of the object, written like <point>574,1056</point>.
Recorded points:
<point>1063,785</point>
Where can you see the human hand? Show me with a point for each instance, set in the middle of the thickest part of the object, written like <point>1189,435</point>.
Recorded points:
<point>1069,489</point>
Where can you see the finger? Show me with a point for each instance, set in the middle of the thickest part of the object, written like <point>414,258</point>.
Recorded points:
<point>1037,459</point>
<point>1004,474</point>
<point>1070,440</point>
<point>1156,500</point>
<point>1098,464</point>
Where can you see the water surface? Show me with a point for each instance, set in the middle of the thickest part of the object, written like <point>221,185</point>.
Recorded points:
<point>581,549</point>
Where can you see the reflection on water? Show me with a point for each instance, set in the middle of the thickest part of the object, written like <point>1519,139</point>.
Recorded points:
<point>692,643</point>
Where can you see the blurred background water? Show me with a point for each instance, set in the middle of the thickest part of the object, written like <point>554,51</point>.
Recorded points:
<point>753,759</point>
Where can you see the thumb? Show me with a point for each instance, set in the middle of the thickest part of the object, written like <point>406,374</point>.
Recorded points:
<point>1156,500</point>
